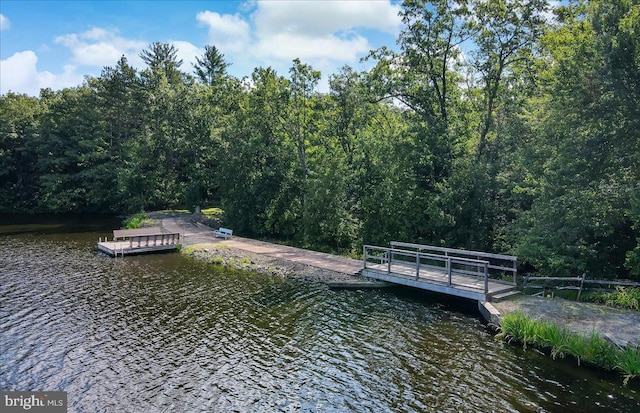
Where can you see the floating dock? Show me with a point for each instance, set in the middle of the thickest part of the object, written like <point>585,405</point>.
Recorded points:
<point>139,241</point>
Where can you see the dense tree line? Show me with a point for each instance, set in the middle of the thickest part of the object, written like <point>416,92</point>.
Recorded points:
<point>490,127</point>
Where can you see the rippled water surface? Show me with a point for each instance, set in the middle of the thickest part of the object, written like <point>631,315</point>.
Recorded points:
<point>166,333</point>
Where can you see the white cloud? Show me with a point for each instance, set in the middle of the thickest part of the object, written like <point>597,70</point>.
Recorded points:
<point>324,30</point>
<point>229,33</point>
<point>99,47</point>
<point>320,18</point>
<point>19,73</point>
<point>5,23</point>
<point>188,53</point>
<point>288,46</point>
<point>322,33</point>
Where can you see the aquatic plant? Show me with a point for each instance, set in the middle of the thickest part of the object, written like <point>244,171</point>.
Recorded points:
<point>628,361</point>
<point>593,349</point>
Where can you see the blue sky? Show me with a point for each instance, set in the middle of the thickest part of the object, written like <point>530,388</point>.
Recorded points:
<point>56,43</point>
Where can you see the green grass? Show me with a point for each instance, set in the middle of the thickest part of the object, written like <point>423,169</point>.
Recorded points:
<point>176,211</point>
<point>212,213</point>
<point>594,349</point>
<point>137,221</point>
<point>628,360</point>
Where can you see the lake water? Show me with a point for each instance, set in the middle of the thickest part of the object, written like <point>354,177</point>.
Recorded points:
<point>164,333</point>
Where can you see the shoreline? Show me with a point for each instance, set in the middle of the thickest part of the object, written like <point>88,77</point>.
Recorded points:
<point>229,256</point>
<point>247,254</point>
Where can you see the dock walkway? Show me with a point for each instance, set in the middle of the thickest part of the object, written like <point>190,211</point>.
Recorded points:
<point>470,274</point>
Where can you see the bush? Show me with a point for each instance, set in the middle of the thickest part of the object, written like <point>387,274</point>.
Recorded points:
<point>622,297</point>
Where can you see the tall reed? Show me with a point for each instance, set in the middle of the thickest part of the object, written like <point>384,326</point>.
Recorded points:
<point>593,349</point>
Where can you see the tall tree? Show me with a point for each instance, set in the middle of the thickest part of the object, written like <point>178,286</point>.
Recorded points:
<point>211,67</point>
<point>162,59</point>
<point>585,213</point>
<point>19,134</point>
<point>302,123</point>
<point>507,33</point>
<point>431,48</point>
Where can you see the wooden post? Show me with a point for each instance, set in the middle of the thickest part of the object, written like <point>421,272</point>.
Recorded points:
<point>418,264</point>
<point>584,274</point>
<point>364,256</point>
<point>449,269</point>
<point>389,261</point>
<point>486,277</point>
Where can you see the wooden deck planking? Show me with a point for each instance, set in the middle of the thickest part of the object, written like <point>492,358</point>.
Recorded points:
<point>462,285</point>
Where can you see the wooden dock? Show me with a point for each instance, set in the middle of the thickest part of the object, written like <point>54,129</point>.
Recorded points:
<point>470,274</point>
<point>139,241</point>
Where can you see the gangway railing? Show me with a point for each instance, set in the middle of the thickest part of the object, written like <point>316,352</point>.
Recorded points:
<point>506,264</point>
<point>399,261</point>
<point>170,238</point>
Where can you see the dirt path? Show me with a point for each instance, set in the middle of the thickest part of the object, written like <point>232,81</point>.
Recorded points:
<point>263,256</point>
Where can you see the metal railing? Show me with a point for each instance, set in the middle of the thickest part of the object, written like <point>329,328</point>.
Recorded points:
<point>497,262</point>
<point>415,260</point>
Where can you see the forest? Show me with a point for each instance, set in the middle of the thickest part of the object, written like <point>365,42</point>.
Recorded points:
<point>494,125</point>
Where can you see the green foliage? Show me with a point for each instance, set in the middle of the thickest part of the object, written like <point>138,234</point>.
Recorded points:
<point>211,67</point>
<point>137,221</point>
<point>19,130</point>
<point>622,297</point>
<point>212,213</point>
<point>628,361</point>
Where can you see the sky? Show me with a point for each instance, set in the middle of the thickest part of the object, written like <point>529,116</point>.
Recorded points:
<point>55,44</point>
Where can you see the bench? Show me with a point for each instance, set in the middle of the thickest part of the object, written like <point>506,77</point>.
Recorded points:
<point>223,233</point>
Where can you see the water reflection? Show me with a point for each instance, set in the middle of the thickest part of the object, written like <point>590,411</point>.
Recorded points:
<point>165,333</point>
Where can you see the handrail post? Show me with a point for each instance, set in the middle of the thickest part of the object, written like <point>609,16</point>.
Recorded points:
<point>417,265</point>
<point>364,256</point>
<point>486,277</point>
<point>449,269</point>
<point>389,261</point>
